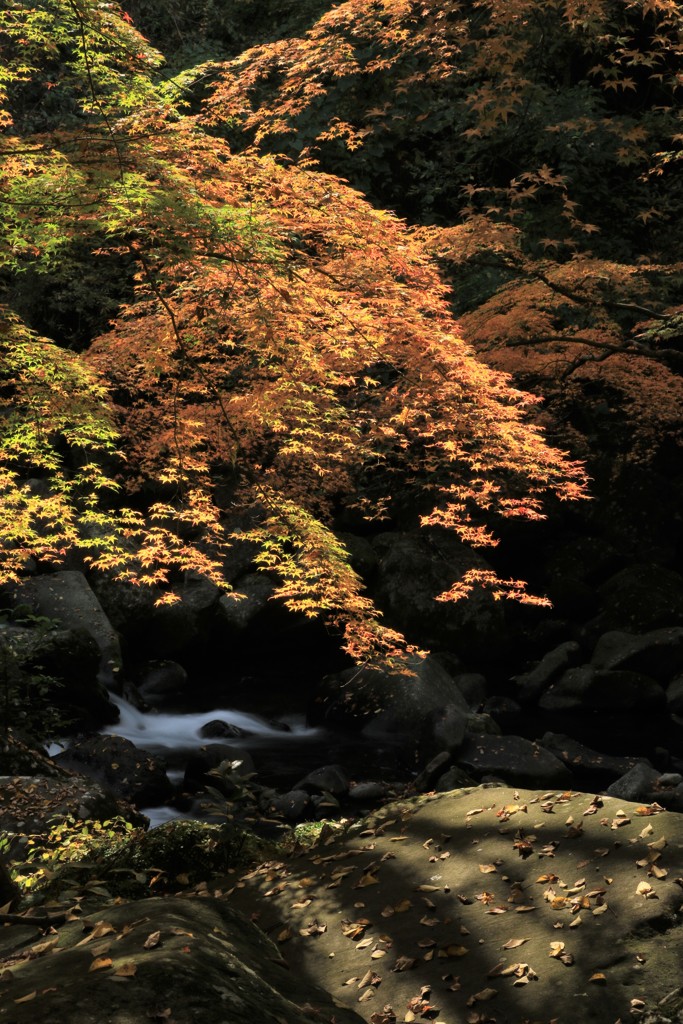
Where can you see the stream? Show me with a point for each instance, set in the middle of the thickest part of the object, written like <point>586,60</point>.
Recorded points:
<point>284,748</point>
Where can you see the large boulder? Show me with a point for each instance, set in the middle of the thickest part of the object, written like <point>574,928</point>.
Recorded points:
<point>130,773</point>
<point>589,767</point>
<point>384,702</point>
<point>412,570</point>
<point>640,598</point>
<point>67,598</point>
<point>249,598</point>
<point>205,963</point>
<point>31,804</point>
<point>517,761</point>
<point>151,630</point>
<point>530,685</point>
<point>19,757</point>
<point>161,680</point>
<point>595,689</point>
<point>67,662</point>
<point>330,778</point>
<point>658,653</point>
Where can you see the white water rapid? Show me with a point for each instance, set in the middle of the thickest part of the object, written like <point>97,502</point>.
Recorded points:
<point>175,735</point>
<point>163,732</point>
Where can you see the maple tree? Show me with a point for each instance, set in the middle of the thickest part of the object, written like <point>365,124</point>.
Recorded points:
<point>284,349</point>
<point>542,143</point>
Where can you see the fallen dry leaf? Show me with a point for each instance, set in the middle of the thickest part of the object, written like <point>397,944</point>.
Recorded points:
<point>513,943</point>
<point>404,963</point>
<point>152,940</point>
<point>100,963</point>
<point>483,996</point>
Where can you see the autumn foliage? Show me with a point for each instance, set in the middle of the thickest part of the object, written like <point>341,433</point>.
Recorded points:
<point>285,349</point>
<point>542,144</point>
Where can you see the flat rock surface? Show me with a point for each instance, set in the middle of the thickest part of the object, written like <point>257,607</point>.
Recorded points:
<point>487,904</point>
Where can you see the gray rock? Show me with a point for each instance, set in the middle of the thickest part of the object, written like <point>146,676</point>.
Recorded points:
<point>658,654</point>
<point>478,724</point>
<point>330,778</point>
<point>382,702</point>
<point>472,686</point>
<point>250,596</point>
<point>67,598</point>
<point>117,764</point>
<point>585,763</point>
<point>218,729</point>
<point>432,771</point>
<point>234,973</point>
<point>367,792</point>
<point>160,680</point>
<point>53,800</point>
<point>636,784</point>
<point>160,631</point>
<point>442,729</point>
<point>293,806</point>
<point>413,569</point>
<point>505,712</point>
<point>69,660</point>
<point>516,760</point>
<point>454,778</point>
<point>671,798</point>
<point>641,598</point>
<point>602,690</point>
<point>530,685</point>
<point>670,779</point>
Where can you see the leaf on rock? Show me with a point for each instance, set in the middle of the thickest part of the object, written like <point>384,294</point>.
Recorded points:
<point>314,928</point>
<point>483,996</point>
<point>367,879</point>
<point>487,869</point>
<point>152,940</point>
<point>44,947</point>
<point>370,978</point>
<point>513,943</point>
<point>354,929</point>
<point>28,998</point>
<point>100,963</point>
<point>598,977</point>
<point>100,929</point>
<point>404,963</point>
